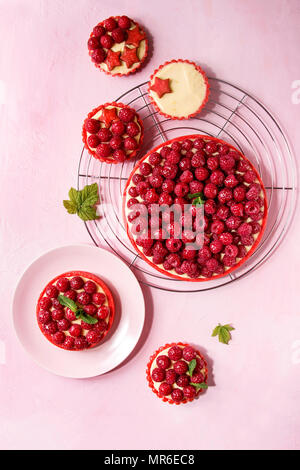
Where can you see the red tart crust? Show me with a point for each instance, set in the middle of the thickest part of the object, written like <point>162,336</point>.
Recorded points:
<point>101,328</point>
<point>110,159</point>
<point>123,58</point>
<point>239,260</point>
<point>150,381</point>
<point>154,96</point>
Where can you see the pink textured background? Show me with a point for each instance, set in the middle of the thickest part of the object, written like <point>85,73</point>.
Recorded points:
<point>47,85</point>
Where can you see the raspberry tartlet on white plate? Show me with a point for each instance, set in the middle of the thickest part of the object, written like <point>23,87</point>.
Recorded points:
<point>207,202</point>
<point>113,132</point>
<point>118,46</point>
<point>177,373</point>
<point>75,311</point>
<point>178,89</point>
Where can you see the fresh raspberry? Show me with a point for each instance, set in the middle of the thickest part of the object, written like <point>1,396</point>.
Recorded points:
<point>228,261</point>
<point>249,176</point>
<point>211,147</point>
<point>63,325</point>
<point>84,298</point>
<point>92,126</point>
<point>165,151</point>
<point>93,337</point>
<point>51,292</point>
<point>226,238</point>
<point>212,265</point>
<point>57,314</point>
<point>205,272</point>
<point>156,181</point>
<point>212,163</point>
<point>165,389</point>
<point>189,253</point>
<point>124,22</point>
<point>90,287</point>
<point>175,353</point>
<point>252,208</point>
<point>99,298</point>
<point>142,187</point>
<point>104,134</point>
<point>217,227</point>
<point>116,142</point>
<point>242,251</point>
<point>110,24</point>
<point>233,222</point>
<point>118,127</point>
<point>132,129</point>
<point>227,162</point>
<point>99,30</point>
<point>80,343</point>
<point>98,56</point>
<point>176,146</point>
<point>151,196</point>
<point>169,171</point>
<point>163,361</point>
<point>185,164</point>
<point>197,378</point>
<point>101,326</point>
<point>106,41</point>
<point>231,250</point>
<point>57,304</point>
<point>223,149</point>
<point>174,260</point>
<point>247,240</point>
<point>239,193</point>
<point>210,190</point>
<point>157,170</point>
<point>187,145</point>
<point>132,191</point>
<point>189,392</point>
<point>86,326</point>
<point>244,230</point>
<point>173,157</point>
<point>199,144</point>
<point>44,317</point>
<point>130,143</point>
<point>126,114</point>
<point>203,255</point>
<point>69,342</point>
<point>198,159</point>
<point>119,155</point>
<point>210,206</point>
<point>243,166</point>
<point>145,169</point>
<point>165,198</point>
<point>188,236</point>
<point>177,395</point>
<point>155,159</point>
<point>256,227</point>
<point>231,181</point>
<point>132,202</point>
<point>196,187</point>
<point>217,177</point>
<point>187,176</point>
<point>93,141</point>
<point>90,309</point>
<point>223,212</point>
<point>75,330</point>
<point>71,294</point>
<point>70,315</point>
<point>171,376</point>
<point>254,192</point>
<point>50,328</point>
<point>237,209</point>
<point>45,303</point>
<point>103,312</point>
<point>189,353</point>
<point>216,246</point>
<point>118,35</point>
<point>225,195</point>
<point>103,150</point>
<point>59,337</point>
<point>181,189</point>
<point>168,185</point>
<point>158,375</point>
<point>183,380</point>
<point>137,178</point>
<point>93,43</point>
<point>201,173</point>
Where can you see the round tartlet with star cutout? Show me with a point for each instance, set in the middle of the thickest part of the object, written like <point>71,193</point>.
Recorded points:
<point>178,89</point>
<point>113,132</point>
<point>118,46</point>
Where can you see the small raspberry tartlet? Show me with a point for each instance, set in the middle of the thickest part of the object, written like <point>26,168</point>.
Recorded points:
<point>75,311</point>
<point>177,373</point>
<point>178,89</point>
<point>113,132</point>
<point>195,208</point>
<point>118,46</point>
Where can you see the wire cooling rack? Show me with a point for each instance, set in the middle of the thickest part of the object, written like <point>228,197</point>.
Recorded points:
<point>232,115</point>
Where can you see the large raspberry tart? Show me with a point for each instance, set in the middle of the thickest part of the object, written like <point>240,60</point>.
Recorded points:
<point>178,89</point>
<point>113,132</point>
<point>75,310</point>
<point>177,373</point>
<point>195,208</point>
<point>118,46</point>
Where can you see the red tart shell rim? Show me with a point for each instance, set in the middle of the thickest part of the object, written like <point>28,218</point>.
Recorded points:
<point>150,381</point>
<point>205,99</point>
<point>90,116</point>
<point>107,292</point>
<point>165,272</point>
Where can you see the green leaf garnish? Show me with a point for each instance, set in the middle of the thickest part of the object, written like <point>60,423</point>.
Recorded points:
<point>192,366</point>
<point>203,385</point>
<point>86,317</point>
<point>66,302</point>
<point>193,195</point>
<point>197,199</point>
<point>79,312</point>
<point>223,331</point>
<point>82,202</point>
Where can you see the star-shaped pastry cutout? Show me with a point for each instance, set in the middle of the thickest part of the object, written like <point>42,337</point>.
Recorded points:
<point>161,86</point>
<point>108,115</point>
<point>112,59</point>
<point>129,56</point>
<point>135,36</point>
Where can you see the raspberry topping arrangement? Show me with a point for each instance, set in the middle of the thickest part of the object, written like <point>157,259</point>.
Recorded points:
<point>118,45</point>
<point>177,373</point>
<point>75,311</point>
<point>195,208</point>
<point>178,89</point>
<point>113,133</point>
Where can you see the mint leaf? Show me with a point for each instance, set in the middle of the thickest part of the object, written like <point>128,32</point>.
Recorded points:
<point>66,302</point>
<point>203,385</point>
<point>82,202</point>
<point>192,366</point>
<point>86,317</point>
<point>223,331</point>
<point>197,198</point>
<point>193,195</point>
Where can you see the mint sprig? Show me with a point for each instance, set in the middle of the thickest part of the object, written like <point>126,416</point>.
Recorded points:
<point>203,385</point>
<point>82,202</point>
<point>223,331</point>
<point>79,312</point>
<point>197,198</point>
<point>192,366</point>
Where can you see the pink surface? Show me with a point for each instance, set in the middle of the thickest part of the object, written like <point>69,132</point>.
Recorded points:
<point>47,85</point>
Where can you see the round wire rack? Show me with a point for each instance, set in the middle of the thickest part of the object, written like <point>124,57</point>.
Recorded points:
<point>232,115</point>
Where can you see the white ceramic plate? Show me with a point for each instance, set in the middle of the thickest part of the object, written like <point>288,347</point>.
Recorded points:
<point>129,316</point>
